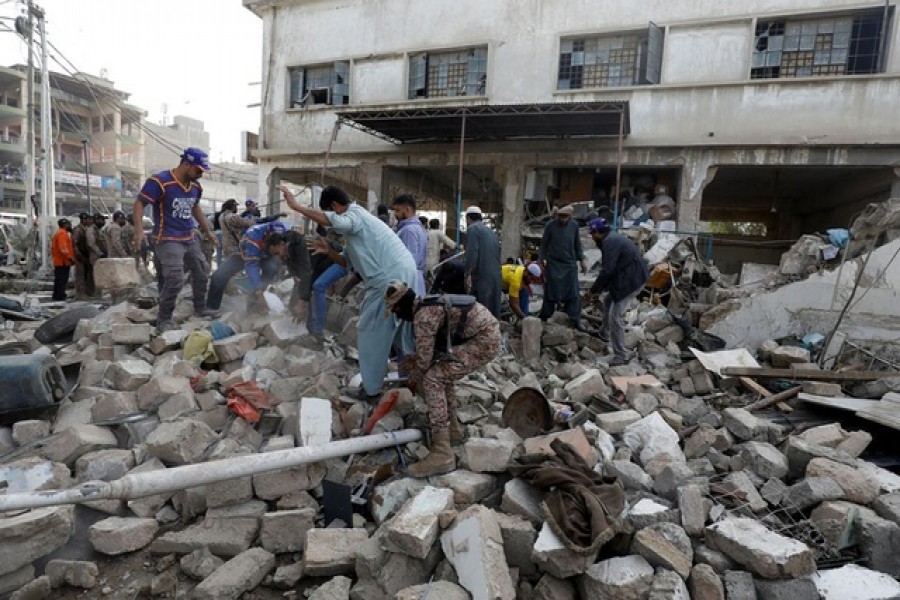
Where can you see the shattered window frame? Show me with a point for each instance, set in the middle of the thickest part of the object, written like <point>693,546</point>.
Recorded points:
<point>448,74</point>
<point>611,60</point>
<point>323,84</point>
<point>820,46</point>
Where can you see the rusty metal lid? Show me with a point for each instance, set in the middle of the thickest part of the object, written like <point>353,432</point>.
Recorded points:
<point>527,412</point>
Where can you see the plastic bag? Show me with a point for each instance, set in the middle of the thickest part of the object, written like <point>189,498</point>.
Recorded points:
<point>198,348</point>
<point>274,303</point>
<point>220,330</point>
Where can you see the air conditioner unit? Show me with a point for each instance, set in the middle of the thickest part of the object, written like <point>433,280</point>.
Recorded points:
<point>536,183</point>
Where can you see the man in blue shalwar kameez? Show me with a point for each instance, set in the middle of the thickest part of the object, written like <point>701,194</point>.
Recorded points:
<point>378,256</point>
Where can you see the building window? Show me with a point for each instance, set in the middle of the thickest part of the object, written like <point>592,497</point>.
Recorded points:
<point>803,47</point>
<point>611,60</point>
<point>448,74</point>
<point>324,84</point>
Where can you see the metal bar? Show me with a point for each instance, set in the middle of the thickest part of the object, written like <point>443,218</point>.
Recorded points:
<point>615,224</point>
<point>459,182</point>
<point>808,374</point>
<point>139,485</point>
<point>334,133</point>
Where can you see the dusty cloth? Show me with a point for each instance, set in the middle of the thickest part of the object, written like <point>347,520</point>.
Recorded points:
<point>245,399</point>
<point>198,348</point>
<point>583,508</point>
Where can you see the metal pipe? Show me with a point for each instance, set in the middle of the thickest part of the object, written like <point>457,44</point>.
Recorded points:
<point>29,138</point>
<point>139,485</point>
<point>459,179</point>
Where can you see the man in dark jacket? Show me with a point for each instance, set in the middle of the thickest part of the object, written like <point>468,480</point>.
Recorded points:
<point>622,276</point>
<point>561,254</point>
<point>483,261</point>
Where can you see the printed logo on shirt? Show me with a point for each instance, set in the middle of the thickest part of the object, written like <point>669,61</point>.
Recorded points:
<point>182,207</point>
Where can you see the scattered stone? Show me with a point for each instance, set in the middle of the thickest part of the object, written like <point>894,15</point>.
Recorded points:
<point>33,534</point>
<point>240,574</point>
<point>39,589</point>
<point>445,590</point>
<point>285,530</point>
<point>811,491</point>
<point>552,556</point>
<point>705,584</point>
<point>223,537</point>
<point>118,535</point>
<point>764,459</point>
<point>486,455</point>
<point>857,486</point>
<point>622,578</point>
<point>77,573</point>
<point>24,432</point>
<point>330,552</point>
<point>200,564</point>
<point>616,422</point>
<point>474,546</point>
<point>180,442</point>
<point>762,551</point>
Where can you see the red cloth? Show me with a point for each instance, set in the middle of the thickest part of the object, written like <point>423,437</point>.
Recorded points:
<point>245,399</point>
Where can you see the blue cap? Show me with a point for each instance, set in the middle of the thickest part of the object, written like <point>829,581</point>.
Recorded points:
<point>250,202</point>
<point>197,157</point>
<point>599,225</point>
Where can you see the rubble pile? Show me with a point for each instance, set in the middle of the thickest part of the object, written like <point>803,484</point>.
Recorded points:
<point>659,479</point>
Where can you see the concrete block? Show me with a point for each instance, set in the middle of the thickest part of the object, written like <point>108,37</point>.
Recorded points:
<point>167,340</point>
<point>857,486</point>
<point>230,492</point>
<point>474,546</point>
<point>521,498</point>
<point>130,334</point>
<point>287,576</point>
<point>149,505</point>
<point>812,491</point>
<point>468,487</point>
<point>389,497</point>
<point>415,528</point>
<point>671,334</point>
<point>38,589</point>
<point>116,274</point>
<point>587,386</point>
<point>330,552</point>
<point>400,571</point>
<point>104,465</point>
<point>159,389</point>
<point>552,556</point>
<point>223,537</point>
<point>764,459</point>
<point>274,485</point>
<point>235,346</point>
<point>532,330</point>
<point>879,542</point>
<point>31,535</point>
<point>822,388</point>
<point>77,440</point>
<point>766,553</point>
<point>180,442</point>
<point>785,356</point>
<point>445,590</point>
<point>739,585</point>
<point>112,405</point>
<point>786,589</point>
<point>631,475</point>
<point>71,413</point>
<point>622,577</point>
<point>799,452</point>
<point>315,422</point>
<point>200,564</point>
<point>77,573</point>
<point>129,375</point>
<point>552,588</point>
<point>519,536</point>
<point>285,530</point>
<point>488,455</point>
<point>118,535</point>
<point>177,405</point>
<point>693,507</point>
<point>855,581</point>
<point>668,585</point>
<point>744,425</point>
<point>660,552</point>
<point>855,443</point>
<point>29,430</point>
<point>705,584</point>
<point>283,332</point>
<point>573,437</point>
<point>616,422</point>
<point>240,574</point>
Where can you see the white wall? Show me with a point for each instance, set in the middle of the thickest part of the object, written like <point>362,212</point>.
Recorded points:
<point>705,79</point>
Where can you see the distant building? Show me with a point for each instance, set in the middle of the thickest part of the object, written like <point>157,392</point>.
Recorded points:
<point>774,119</point>
<point>84,108</point>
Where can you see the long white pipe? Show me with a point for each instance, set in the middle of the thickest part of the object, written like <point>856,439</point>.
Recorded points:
<point>139,485</point>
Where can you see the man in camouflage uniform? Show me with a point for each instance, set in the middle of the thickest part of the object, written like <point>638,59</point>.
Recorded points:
<point>84,239</point>
<point>473,345</point>
<point>112,235</point>
<point>128,241</point>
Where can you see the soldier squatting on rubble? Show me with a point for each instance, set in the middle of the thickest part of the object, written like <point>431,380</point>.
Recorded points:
<point>454,336</point>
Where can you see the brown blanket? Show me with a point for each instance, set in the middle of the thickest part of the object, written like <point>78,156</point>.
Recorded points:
<point>583,508</point>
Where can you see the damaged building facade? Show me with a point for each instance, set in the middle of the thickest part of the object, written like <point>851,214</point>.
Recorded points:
<point>761,122</point>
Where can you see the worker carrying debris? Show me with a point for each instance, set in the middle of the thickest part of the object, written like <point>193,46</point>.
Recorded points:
<point>622,276</point>
<point>454,336</point>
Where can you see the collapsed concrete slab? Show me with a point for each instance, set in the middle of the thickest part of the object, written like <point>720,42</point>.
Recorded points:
<point>752,545</point>
<point>474,546</point>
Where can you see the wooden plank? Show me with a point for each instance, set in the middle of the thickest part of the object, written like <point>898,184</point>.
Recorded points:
<point>754,387</point>
<point>776,399</point>
<point>808,374</point>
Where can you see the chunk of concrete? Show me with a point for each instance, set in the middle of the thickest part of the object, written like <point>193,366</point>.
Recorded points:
<point>167,340</point>
<point>764,552</point>
<point>468,487</point>
<point>118,535</point>
<point>285,530</point>
<point>745,425</point>
<point>33,534</point>
<point>474,546</point>
<point>521,498</point>
<point>76,441</point>
<point>488,455</point>
<point>275,484</point>
<point>235,347</point>
<point>445,590</point>
<point>622,578</point>
<point>785,356</point>
<point>615,422</point>
<point>552,556</point>
<point>129,375</point>
<point>660,552</point>
<point>330,552</point>
<point>315,422</point>
<point>810,492</point>
<point>693,507</point>
<point>764,459</point>
<point>130,334</point>
<point>587,386</point>
<point>155,392</point>
<point>237,576</point>
<point>200,564</point>
<point>24,432</point>
<point>180,442</point>
<point>223,537</point>
<point>519,536</point>
<point>705,584</point>
<point>337,587</point>
<point>37,589</point>
<point>283,332</point>
<point>532,330</point>
<point>77,573</point>
<point>857,486</point>
<point>113,405</point>
<point>415,528</point>
<point>116,274</point>
<point>856,582</point>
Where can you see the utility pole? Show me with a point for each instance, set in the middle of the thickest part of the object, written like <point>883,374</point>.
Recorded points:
<point>48,189</point>
<point>87,173</point>
<point>29,137</point>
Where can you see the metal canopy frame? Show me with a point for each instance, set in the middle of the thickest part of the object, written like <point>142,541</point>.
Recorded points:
<point>492,122</point>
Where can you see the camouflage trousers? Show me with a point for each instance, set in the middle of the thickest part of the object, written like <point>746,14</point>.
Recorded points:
<point>438,382</point>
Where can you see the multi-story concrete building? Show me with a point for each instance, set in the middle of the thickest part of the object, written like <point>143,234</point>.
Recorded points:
<point>779,118</point>
<point>89,115</point>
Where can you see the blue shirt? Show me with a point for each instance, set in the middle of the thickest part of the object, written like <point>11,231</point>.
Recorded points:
<point>415,238</point>
<point>173,206</point>
<point>253,248</point>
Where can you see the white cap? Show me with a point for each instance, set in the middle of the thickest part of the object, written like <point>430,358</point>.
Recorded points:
<point>534,269</point>
<point>473,210</point>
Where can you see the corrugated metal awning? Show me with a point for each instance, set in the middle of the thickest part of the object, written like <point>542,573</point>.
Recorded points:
<point>492,122</point>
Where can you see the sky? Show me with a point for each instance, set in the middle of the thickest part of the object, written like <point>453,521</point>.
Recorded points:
<point>201,58</point>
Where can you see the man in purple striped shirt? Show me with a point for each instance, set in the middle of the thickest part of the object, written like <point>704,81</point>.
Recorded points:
<point>413,235</point>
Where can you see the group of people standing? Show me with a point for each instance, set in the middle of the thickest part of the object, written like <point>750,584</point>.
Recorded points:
<point>86,243</point>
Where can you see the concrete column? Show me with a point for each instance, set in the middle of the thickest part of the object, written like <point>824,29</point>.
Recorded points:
<point>895,186</point>
<point>512,178</point>
<point>374,185</point>
<point>697,173</point>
